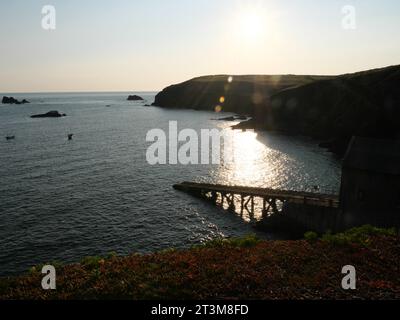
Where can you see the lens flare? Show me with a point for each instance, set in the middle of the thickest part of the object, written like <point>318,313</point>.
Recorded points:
<point>218,109</point>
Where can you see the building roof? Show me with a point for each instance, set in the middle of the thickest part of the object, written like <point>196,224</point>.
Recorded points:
<point>375,155</point>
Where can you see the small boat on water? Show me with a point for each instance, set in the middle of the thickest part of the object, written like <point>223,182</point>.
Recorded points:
<point>70,136</point>
<point>10,137</point>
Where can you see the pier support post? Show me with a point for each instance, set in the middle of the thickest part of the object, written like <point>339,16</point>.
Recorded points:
<point>232,203</point>
<point>214,197</point>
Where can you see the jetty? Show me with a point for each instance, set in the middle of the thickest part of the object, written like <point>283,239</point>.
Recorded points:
<point>272,199</point>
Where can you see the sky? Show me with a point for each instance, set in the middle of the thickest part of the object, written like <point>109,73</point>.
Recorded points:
<point>146,45</point>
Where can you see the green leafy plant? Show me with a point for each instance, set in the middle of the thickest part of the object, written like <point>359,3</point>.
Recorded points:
<point>248,241</point>
<point>38,268</point>
<point>243,242</point>
<point>358,235</point>
<point>92,263</point>
<point>311,236</point>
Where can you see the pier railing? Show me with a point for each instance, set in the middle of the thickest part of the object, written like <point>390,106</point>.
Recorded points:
<point>272,199</point>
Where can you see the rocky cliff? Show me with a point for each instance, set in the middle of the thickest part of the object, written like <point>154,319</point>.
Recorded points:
<point>331,109</point>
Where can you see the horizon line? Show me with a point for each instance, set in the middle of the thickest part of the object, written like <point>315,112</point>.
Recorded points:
<point>196,77</point>
<point>83,91</point>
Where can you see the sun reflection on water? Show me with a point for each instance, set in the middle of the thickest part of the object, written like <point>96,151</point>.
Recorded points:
<point>249,162</point>
<point>272,161</point>
<point>250,166</point>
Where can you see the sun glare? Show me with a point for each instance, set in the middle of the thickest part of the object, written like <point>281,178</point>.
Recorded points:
<point>251,25</point>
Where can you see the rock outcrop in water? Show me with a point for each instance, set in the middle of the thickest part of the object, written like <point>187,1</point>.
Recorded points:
<point>135,98</point>
<point>330,109</point>
<point>50,114</point>
<point>232,118</point>
<point>11,100</point>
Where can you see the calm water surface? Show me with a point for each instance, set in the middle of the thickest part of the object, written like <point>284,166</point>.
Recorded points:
<point>64,200</point>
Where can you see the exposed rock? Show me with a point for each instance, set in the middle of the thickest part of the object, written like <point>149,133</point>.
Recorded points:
<point>232,118</point>
<point>135,98</point>
<point>248,125</point>
<point>241,118</point>
<point>226,119</point>
<point>11,100</point>
<point>338,145</point>
<point>50,114</point>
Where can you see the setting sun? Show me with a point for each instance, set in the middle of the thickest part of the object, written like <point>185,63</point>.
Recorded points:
<point>252,25</point>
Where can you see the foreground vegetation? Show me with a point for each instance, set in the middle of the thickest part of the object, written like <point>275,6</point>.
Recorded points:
<point>232,269</point>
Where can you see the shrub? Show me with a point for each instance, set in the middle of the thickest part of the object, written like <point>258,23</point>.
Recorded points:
<point>92,262</point>
<point>358,235</point>
<point>244,242</point>
<point>168,251</point>
<point>38,268</point>
<point>311,236</point>
<point>111,255</point>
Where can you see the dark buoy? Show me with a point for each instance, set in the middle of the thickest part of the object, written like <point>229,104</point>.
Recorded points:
<point>70,136</point>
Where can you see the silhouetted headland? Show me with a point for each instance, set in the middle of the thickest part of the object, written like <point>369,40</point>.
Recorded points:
<point>330,109</point>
